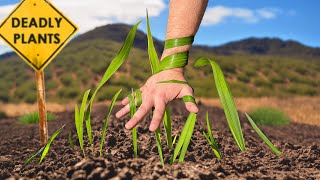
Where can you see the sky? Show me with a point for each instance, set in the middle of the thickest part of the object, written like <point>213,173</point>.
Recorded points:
<point>224,20</point>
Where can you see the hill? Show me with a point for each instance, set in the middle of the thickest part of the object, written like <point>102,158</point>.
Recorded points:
<point>254,67</point>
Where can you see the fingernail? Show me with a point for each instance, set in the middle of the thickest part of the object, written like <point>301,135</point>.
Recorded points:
<point>128,126</point>
<point>152,127</point>
<point>194,109</point>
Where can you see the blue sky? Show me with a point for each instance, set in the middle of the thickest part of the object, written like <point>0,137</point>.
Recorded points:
<point>225,20</point>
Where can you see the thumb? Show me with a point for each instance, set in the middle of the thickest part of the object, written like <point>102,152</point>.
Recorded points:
<point>187,95</point>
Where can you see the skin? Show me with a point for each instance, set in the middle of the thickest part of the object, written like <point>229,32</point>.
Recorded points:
<point>184,19</point>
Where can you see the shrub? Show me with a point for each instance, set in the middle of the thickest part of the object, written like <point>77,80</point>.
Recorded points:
<point>3,115</point>
<point>33,118</point>
<point>269,116</point>
<point>69,93</point>
<point>260,82</point>
<point>244,78</point>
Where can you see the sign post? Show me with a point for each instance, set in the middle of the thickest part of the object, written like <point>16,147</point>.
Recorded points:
<point>37,31</point>
<point>42,108</point>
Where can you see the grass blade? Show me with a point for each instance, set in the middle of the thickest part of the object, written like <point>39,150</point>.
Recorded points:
<point>154,62</point>
<point>227,101</point>
<point>158,140</point>
<point>182,138</point>
<point>172,81</point>
<point>70,140</point>
<point>79,117</point>
<point>105,124</point>
<point>188,137</point>
<point>210,138</point>
<point>30,159</point>
<point>114,66</point>
<point>133,110</point>
<point>176,42</point>
<point>168,126</point>
<point>89,132</point>
<point>153,56</point>
<point>47,147</point>
<point>263,137</point>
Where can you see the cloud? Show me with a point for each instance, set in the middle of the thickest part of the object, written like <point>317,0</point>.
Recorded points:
<point>90,14</point>
<point>218,14</point>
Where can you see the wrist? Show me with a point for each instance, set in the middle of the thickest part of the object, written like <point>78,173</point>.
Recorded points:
<point>175,50</point>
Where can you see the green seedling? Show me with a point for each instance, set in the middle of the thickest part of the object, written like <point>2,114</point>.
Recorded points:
<point>33,118</point>
<point>210,139</point>
<point>262,136</point>
<point>44,150</point>
<point>79,118</point>
<point>154,63</point>
<point>133,109</point>
<point>71,144</point>
<point>105,124</point>
<point>184,139</point>
<point>112,68</point>
<point>227,101</point>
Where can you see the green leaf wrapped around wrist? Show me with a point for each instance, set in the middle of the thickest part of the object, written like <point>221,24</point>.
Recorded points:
<point>176,42</point>
<point>178,60</point>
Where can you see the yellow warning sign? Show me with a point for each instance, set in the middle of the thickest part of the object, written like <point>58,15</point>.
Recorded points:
<point>37,31</point>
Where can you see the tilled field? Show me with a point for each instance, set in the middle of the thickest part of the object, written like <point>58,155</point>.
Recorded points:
<point>300,145</point>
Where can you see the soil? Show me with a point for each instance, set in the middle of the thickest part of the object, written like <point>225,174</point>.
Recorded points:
<point>299,143</point>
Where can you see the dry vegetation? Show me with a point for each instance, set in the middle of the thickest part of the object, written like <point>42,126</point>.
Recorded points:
<point>299,109</point>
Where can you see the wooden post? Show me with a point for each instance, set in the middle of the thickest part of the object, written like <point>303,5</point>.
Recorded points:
<point>42,108</point>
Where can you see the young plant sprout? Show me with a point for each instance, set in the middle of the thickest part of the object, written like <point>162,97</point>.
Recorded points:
<point>71,144</point>
<point>133,108</point>
<point>44,150</point>
<point>79,117</point>
<point>112,68</point>
<point>262,136</point>
<point>154,62</point>
<point>210,139</point>
<point>227,101</point>
<point>105,124</point>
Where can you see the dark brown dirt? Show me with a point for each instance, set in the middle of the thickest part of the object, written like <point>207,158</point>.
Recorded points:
<point>300,145</point>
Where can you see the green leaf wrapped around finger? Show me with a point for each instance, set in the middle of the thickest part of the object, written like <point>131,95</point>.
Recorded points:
<point>172,81</point>
<point>189,98</point>
<point>227,101</point>
<point>176,42</point>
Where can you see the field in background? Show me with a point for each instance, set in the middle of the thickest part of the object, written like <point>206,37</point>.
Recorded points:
<point>266,67</point>
<point>299,109</point>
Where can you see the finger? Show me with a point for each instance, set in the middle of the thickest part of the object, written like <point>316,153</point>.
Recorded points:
<point>139,115</point>
<point>191,107</point>
<point>158,113</point>
<point>125,101</point>
<point>122,112</point>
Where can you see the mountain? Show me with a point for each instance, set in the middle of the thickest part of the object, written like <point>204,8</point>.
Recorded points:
<point>253,67</point>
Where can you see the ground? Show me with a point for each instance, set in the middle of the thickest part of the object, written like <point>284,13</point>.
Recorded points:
<point>299,143</point>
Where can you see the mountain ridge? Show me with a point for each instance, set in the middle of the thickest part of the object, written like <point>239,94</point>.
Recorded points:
<point>250,45</point>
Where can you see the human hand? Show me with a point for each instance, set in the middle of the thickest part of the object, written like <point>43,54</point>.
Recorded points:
<point>158,95</point>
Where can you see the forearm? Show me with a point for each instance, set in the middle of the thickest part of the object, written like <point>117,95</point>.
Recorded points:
<point>184,19</point>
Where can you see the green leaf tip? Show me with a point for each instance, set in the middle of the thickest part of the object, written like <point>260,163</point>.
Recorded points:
<point>262,136</point>
<point>227,101</point>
